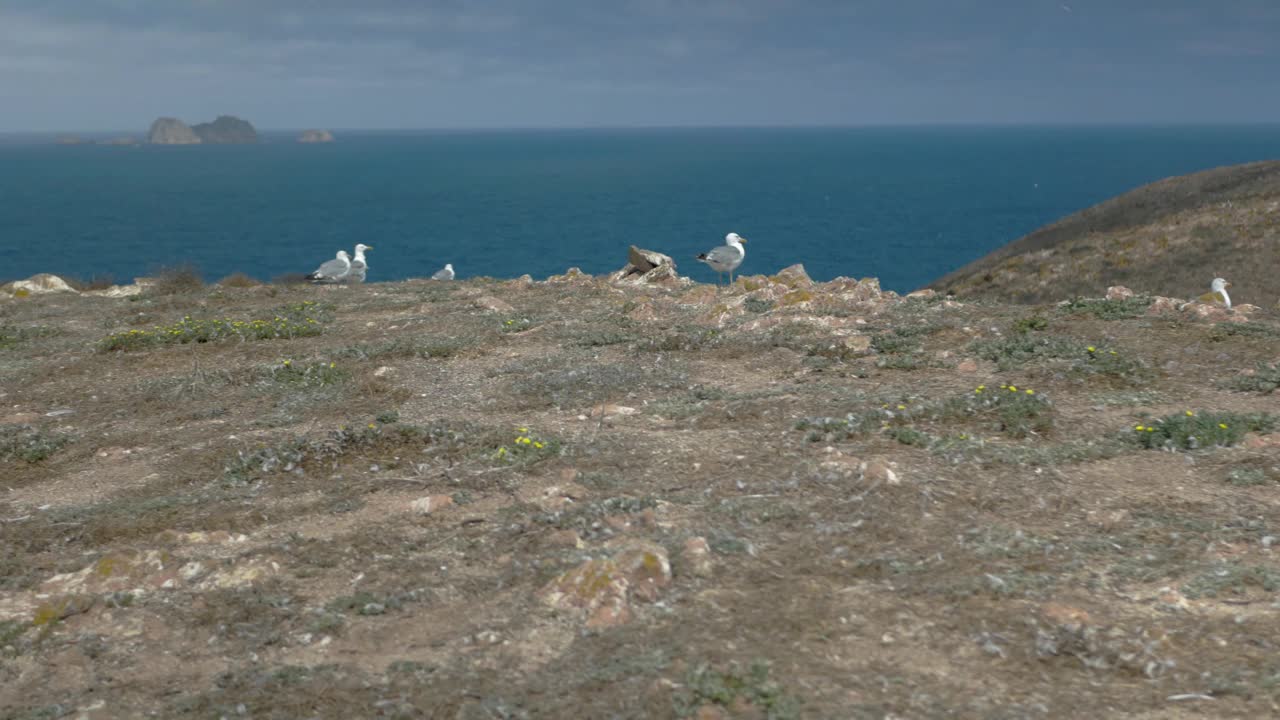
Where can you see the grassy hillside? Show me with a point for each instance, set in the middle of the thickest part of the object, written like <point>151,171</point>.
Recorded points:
<point>583,499</point>
<point>1168,238</point>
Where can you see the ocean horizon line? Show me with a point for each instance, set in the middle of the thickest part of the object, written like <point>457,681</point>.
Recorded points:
<point>495,129</point>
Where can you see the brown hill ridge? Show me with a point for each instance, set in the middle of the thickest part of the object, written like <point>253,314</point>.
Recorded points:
<point>1171,237</point>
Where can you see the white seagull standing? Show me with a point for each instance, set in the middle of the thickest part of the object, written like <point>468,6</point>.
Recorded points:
<point>444,273</point>
<point>359,267</point>
<point>1218,293</point>
<point>332,271</point>
<point>727,257</point>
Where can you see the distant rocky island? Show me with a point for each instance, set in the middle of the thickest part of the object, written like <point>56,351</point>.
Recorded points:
<point>315,136</point>
<point>225,130</point>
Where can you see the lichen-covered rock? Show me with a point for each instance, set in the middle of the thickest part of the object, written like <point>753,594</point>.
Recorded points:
<point>646,569</point>
<point>597,587</point>
<point>1119,292</point>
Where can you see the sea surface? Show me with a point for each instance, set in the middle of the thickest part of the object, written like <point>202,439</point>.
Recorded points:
<point>903,204</point>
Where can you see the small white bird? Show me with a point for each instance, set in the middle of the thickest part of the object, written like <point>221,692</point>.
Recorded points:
<point>1218,293</point>
<point>332,271</point>
<point>727,257</point>
<point>444,273</point>
<point>359,266</point>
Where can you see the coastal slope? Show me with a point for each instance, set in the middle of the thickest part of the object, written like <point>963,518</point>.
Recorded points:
<point>1167,238</point>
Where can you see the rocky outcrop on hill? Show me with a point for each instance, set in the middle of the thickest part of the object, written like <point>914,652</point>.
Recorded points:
<point>172,131</point>
<point>315,136</point>
<point>226,130</point>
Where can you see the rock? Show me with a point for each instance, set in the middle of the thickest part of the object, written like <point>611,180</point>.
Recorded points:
<point>794,277</point>
<point>431,503</point>
<point>646,569</point>
<point>924,294</point>
<point>858,343</point>
<point>611,411</point>
<point>383,371</point>
<point>967,366</point>
<point>1246,309</point>
<point>850,290</point>
<point>571,275</point>
<point>37,285</point>
<point>880,470</point>
<point>842,465</point>
<point>226,130</point>
<point>121,141</point>
<point>1161,305</point>
<point>645,260</point>
<point>1206,311</point>
<point>695,558</point>
<point>216,537</point>
<point>564,539</point>
<point>1108,520</point>
<point>1064,616</point>
<point>116,291</point>
<point>315,136</point>
<point>1119,292</point>
<point>492,304</point>
<point>172,131</point>
<point>1254,441</point>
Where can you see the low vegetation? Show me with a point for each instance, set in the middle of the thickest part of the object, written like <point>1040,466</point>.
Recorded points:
<point>489,499</point>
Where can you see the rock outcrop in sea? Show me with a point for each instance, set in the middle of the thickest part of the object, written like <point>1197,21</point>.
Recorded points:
<point>172,131</point>
<point>315,136</point>
<point>226,130</point>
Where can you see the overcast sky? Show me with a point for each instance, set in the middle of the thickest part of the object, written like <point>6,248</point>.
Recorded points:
<point>117,64</point>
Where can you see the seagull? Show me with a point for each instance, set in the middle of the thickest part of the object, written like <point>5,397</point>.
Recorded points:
<point>332,271</point>
<point>727,257</point>
<point>358,265</point>
<point>1218,293</point>
<point>444,273</point>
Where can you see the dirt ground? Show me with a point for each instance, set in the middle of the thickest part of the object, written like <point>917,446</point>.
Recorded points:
<point>593,499</point>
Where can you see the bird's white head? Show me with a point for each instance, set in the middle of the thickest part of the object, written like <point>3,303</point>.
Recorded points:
<point>734,239</point>
<point>1219,285</point>
<point>448,266</point>
<point>361,247</point>
<point>342,255</point>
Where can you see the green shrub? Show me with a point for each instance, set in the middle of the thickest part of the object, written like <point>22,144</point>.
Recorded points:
<point>1012,351</point>
<point>302,319</point>
<point>1265,379</point>
<point>29,444</point>
<point>1104,309</point>
<point>1192,430</point>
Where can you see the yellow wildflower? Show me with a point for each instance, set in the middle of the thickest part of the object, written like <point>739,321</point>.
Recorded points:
<point>1222,425</point>
<point>1013,388</point>
<point>538,445</point>
<point>902,407</point>
<point>1092,349</point>
<point>1139,428</point>
<point>1190,414</point>
<point>1030,391</point>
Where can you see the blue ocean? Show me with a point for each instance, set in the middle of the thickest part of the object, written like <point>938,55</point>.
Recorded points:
<point>903,204</point>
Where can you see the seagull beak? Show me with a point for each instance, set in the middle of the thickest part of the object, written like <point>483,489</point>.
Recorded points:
<point>742,239</point>
<point>1227,285</point>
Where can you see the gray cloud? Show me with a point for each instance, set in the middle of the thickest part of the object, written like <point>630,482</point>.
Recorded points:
<point>68,64</point>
